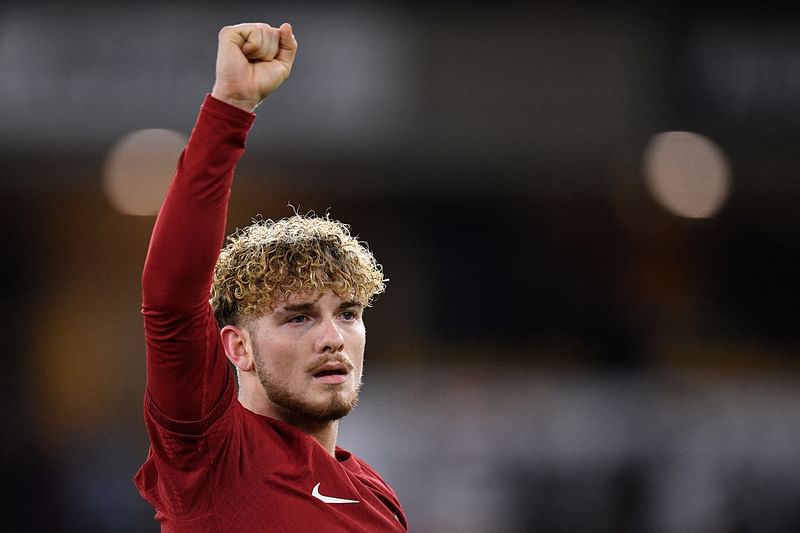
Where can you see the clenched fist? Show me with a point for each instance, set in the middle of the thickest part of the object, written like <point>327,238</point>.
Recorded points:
<point>252,62</point>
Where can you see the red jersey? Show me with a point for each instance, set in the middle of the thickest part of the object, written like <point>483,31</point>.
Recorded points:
<point>214,465</point>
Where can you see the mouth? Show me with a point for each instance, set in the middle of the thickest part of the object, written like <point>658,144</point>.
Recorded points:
<point>332,373</point>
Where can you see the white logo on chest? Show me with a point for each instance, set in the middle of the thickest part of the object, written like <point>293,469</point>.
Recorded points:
<point>328,499</point>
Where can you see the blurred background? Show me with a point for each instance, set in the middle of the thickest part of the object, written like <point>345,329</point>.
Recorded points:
<point>589,216</point>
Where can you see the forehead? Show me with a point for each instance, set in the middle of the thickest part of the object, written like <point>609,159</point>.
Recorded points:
<point>305,298</point>
<point>299,297</point>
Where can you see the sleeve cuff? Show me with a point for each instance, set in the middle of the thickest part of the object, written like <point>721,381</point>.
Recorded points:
<point>227,112</point>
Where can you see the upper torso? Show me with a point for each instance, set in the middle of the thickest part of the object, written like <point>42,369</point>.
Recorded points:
<point>252,473</point>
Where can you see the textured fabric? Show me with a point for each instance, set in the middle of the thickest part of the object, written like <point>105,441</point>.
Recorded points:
<point>213,465</point>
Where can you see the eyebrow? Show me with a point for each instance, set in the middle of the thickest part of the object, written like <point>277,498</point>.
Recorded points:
<point>305,307</point>
<point>296,307</point>
<point>349,303</point>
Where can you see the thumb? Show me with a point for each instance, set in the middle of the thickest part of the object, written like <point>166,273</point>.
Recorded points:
<point>287,46</point>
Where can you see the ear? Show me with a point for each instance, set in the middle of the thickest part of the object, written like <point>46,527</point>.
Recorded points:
<point>238,348</point>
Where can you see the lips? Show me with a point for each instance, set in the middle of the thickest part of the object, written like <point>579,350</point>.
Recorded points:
<point>331,373</point>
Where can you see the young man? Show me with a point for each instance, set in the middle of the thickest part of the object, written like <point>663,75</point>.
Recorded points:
<point>286,308</point>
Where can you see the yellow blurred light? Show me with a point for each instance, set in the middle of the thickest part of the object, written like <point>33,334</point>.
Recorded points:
<point>687,174</point>
<point>139,168</point>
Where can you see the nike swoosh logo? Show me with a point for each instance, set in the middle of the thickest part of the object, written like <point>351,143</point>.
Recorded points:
<point>329,499</point>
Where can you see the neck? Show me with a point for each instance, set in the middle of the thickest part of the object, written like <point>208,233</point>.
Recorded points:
<point>325,433</point>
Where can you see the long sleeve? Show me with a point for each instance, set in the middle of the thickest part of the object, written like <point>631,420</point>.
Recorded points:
<point>187,373</point>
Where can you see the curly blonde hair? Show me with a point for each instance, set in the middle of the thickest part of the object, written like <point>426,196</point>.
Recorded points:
<point>267,261</point>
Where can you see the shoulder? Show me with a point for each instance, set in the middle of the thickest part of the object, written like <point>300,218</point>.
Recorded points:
<point>369,475</point>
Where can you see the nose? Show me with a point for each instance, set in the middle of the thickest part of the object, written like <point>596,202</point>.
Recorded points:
<point>330,339</point>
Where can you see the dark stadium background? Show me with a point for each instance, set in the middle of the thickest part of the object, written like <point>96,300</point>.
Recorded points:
<point>556,352</point>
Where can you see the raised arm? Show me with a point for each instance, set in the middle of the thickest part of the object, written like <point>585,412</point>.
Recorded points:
<point>186,370</point>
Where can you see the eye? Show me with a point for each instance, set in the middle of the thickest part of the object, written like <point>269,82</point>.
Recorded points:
<point>349,315</point>
<point>298,319</point>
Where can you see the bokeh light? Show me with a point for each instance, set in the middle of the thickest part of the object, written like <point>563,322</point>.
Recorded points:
<point>687,174</point>
<point>138,170</point>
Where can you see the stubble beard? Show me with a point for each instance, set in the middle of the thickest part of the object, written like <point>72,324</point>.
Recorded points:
<point>337,407</point>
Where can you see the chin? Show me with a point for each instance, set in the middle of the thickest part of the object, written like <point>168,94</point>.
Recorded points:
<point>333,408</point>
<point>316,404</point>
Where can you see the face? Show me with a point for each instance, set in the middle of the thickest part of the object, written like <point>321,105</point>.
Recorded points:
<point>309,354</point>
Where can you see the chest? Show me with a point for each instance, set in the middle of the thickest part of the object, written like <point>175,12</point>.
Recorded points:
<point>290,486</point>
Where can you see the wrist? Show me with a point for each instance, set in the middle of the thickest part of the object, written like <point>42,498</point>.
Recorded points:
<point>243,104</point>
